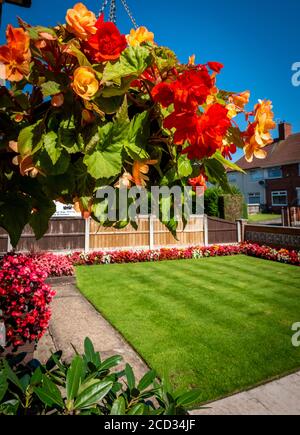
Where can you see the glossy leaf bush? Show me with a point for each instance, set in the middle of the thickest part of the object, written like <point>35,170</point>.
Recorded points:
<point>86,386</point>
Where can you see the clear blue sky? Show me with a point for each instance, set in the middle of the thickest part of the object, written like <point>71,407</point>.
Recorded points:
<point>257,40</point>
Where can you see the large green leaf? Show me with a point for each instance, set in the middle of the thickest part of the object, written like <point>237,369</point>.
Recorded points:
<point>147,380</point>
<point>138,135</point>
<point>216,173</point>
<point>39,220</point>
<point>185,168</point>
<point>49,393</point>
<point>51,146</point>
<point>130,377</point>
<point>93,394</point>
<point>15,211</point>
<point>189,398</point>
<point>67,136</point>
<point>30,139</point>
<point>74,377</point>
<point>105,160</point>
<point>133,62</point>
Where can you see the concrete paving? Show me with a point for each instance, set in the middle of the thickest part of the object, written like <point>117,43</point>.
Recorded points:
<point>281,397</point>
<point>73,319</point>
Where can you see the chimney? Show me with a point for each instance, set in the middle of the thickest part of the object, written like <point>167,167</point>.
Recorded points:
<point>285,130</point>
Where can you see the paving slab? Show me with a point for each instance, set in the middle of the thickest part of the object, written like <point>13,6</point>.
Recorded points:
<point>74,318</point>
<point>280,397</point>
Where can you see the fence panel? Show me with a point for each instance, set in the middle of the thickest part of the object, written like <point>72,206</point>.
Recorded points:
<point>221,231</point>
<point>277,237</point>
<point>193,234</point>
<point>64,234</point>
<point>3,241</point>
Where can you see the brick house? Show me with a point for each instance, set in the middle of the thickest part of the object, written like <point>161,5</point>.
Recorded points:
<point>274,182</point>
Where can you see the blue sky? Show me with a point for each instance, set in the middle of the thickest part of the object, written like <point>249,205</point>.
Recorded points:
<point>258,41</point>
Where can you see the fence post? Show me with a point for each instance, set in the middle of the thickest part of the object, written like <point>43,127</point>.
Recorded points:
<point>205,227</point>
<point>87,235</point>
<point>151,231</point>
<point>239,230</point>
<point>9,245</point>
<point>242,224</point>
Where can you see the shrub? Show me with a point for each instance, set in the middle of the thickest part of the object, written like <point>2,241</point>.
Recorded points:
<point>211,201</point>
<point>24,299</point>
<point>84,387</point>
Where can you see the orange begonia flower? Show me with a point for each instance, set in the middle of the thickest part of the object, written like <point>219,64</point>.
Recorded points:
<point>81,22</point>
<point>138,36</point>
<point>80,208</point>
<point>140,171</point>
<point>85,82</point>
<point>241,100</point>
<point>125,182</point>
<point>15,55</point>
<point>258,133</point>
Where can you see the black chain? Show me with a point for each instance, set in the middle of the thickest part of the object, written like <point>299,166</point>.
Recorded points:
<point>113,11</point>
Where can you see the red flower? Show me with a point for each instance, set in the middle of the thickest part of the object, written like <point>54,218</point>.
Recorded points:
<point>199,181</point>
<point>189,91</point>
<point>228,150</point>
<point>108,43</point>
<point>215,66</point>
<point>163,93</point>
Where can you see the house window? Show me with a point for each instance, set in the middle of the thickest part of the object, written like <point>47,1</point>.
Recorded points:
<point>279,198</point>
<point>274,173</point>
<point>232,178</point>
<point>256,175</point>
<point>254,198</point>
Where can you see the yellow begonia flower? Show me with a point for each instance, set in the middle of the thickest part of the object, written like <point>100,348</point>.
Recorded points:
<point>140,35</point>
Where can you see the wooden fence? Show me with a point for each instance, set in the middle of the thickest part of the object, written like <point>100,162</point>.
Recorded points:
<point>221,231</point>
<point>277,237</point>
<point>291,216</point>
<point>71,234</point>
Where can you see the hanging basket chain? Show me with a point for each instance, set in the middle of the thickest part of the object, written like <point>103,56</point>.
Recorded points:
<point>113,11</point>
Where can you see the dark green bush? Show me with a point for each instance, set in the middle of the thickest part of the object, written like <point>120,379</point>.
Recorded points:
<point>86,386</point>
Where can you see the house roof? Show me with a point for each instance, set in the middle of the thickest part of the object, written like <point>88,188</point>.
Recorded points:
<point>280,152</point>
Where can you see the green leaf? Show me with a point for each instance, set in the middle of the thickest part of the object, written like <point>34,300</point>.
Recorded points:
<point>130,377</point>
<point>67,136</point>
<point>93,394</point>
<point>227,163</point>
<point>90,354</point>
<point>216,173</point>
<point>61,166</point>
<point>133,62</point>
<point>30,139</point>
<point>109,105</point>
<point>146,380</point>
<point>51,88</point>
<point>106,160</point>
<point>11,376</point>
<point>3,385</point>
<point>119,407</point>
<point>82,59</point>
<point>15,211</point>
<point>234,137</point>
<point>138,135</point>
<point>49,393</point>
<point>111,362</point>
<point>39,220</point>
<point>74,377</point>
<point>51,146</point>
<point>138,410</point>
<point>185,168</point>
<point>190,398</point>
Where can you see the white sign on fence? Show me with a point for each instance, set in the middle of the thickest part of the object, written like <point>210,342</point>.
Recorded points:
<point>65,210</point>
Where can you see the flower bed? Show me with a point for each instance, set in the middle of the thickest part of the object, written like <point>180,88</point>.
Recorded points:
<point>53,265</point>
<point>268,253</point>
<point>24,299</point>
<point>141,256</point>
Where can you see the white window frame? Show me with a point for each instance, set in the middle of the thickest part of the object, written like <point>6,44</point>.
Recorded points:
<point>273,168</point>
<point>280,193</point>
<point>254,194</point>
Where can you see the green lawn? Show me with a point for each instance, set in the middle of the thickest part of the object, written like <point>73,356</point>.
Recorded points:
<point>219,324</point>
<point>263,217</point>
